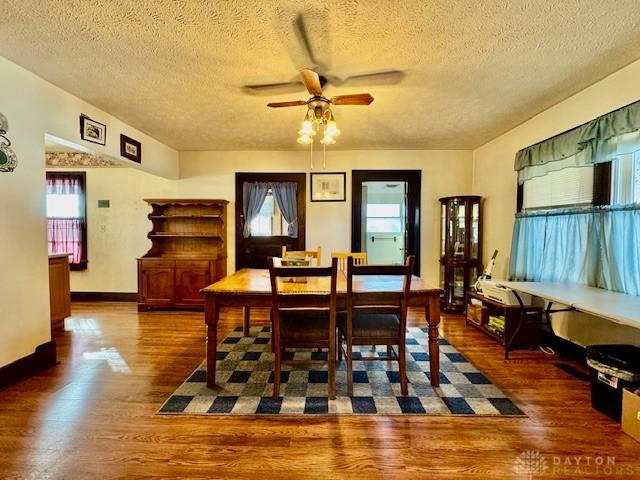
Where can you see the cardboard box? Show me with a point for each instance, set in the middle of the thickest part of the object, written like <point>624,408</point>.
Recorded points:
<point>631,413</point>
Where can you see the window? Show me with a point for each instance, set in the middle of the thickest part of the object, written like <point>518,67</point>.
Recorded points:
<point>625,179</point>
<point>384,218</point>
<point>66,217</point>
<point>562,188</point>
<point>269,222</point>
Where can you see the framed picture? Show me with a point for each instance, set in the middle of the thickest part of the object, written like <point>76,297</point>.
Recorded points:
<point>328,187</point>
<point>130,148</point>
<point>93,131</point>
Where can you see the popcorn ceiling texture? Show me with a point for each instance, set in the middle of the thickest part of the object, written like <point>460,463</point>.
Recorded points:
<point>174,69</point>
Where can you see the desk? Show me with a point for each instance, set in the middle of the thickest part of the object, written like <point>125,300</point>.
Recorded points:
<point>614,306</point>
<point>251,288</point>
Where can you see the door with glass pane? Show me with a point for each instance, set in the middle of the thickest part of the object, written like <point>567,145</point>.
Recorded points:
<point>269,229</point>
<point>384,222</point>
<point>386,215</point>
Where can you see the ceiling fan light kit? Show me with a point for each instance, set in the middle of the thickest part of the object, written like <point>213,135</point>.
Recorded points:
<point>319,117</point>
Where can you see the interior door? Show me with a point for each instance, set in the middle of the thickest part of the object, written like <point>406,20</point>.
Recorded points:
<point>384,222</point>
<point>385,215</point>
<point>269,233</point>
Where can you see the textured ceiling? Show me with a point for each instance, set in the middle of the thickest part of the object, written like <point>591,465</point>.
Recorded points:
<point>174,69</point>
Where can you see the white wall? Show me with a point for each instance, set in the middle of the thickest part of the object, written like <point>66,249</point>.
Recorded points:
<point>212,175</point>
<point>34,107</point>
<point>495,179</point>
<point>117,236</point>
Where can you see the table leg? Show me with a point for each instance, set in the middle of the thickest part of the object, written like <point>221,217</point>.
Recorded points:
<point>246,321</point>
<point>211,317</point>
<point>432,311</point>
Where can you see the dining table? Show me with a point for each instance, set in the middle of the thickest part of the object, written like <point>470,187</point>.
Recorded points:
<point>251,287</point>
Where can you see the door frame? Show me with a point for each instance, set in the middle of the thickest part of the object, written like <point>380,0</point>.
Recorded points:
<point>300,178</point>
<point>413,178</point>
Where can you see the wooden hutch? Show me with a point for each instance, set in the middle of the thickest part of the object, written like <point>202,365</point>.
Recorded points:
<point>188,252</point>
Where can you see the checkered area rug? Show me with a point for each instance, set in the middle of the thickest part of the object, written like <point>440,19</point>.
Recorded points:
<point>245,383</point>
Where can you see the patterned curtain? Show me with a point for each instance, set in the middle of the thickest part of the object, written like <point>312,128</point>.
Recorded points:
<point>66,235</point>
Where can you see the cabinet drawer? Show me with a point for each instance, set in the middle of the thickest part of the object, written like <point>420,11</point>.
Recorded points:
<point>156,263</point>
<point>193,264</point>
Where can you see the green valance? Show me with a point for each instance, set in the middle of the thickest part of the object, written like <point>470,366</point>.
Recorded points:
<point>594,142</point>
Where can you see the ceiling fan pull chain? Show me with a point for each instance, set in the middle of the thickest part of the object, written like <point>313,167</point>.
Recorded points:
<point>324,156</point>
<point>311,150</point>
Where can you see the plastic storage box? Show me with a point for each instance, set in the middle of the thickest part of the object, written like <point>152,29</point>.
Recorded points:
<point>613,368</point>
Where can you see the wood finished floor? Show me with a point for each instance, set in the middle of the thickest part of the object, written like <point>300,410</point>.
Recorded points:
<point>93,416</point>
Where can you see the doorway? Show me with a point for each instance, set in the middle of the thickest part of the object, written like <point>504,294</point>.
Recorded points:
<point>386,215</point>
<point>269,230</point>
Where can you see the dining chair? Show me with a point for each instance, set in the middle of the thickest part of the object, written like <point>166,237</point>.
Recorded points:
<point>315,254</point>
<point>375,316</point>
<point>302,317</point>
<point>359,258</point>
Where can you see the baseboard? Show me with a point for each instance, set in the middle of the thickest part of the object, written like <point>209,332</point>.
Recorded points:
<point>43,357</point>
<point>103,297</point>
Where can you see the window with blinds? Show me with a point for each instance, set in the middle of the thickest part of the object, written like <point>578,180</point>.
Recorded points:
<point>563,188</point>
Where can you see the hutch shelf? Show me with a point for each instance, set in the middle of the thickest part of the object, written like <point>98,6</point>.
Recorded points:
<point>460,249</point>
<point>188,252</point>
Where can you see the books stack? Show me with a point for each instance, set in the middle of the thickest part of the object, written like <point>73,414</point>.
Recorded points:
<point>496,324</point>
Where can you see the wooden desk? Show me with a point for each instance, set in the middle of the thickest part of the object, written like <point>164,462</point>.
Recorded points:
<point>251,288</point>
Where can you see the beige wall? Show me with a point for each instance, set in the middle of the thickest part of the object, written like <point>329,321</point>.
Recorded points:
<point>212,174</point>
<point>117,236</point>
<point>34,107</point>
<point>495,180</point>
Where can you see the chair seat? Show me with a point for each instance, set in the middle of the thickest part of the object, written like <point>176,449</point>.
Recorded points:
<point>304,325</point>
<point>371,325</point>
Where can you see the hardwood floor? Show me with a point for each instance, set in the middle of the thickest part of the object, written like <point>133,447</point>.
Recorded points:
<point>93,416</point>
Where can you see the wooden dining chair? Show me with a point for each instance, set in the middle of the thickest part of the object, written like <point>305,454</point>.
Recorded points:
<point>359,258</point>
<point>302,317</point>
<point>376,316</point>
<point>315,254</point>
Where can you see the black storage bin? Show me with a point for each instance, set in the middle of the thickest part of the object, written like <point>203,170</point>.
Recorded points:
<point>613,368</point>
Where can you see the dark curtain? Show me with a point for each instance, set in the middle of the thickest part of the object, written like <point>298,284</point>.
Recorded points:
<point>67,235</point>
<point>285,195</point>
<point>253,195</point>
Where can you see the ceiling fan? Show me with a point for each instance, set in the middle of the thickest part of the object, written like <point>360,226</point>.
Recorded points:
<point>311,81</point>
<point>319,115</point>
<point>313,63</point>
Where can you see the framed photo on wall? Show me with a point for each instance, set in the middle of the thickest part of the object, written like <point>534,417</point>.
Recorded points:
<point>130,148</point>
<point>328,187</point>
<point>93,131</point>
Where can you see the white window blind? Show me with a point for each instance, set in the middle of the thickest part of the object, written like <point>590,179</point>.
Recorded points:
<point>571,186</point>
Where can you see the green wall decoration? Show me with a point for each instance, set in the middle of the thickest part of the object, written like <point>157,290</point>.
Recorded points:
<point>8,159</point>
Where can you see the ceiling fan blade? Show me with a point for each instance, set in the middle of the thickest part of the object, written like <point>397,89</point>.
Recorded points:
<point>357,99</point>
<point>390,77</point>
<point>303,36</point>
<point>294,103</point>
<point>274,88</point>
<point>311,80</point>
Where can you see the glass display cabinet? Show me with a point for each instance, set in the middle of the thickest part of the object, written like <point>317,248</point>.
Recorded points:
<point>460,249</point>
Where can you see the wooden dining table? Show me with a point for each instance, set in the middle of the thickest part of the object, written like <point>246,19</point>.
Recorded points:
<point>251,287</point>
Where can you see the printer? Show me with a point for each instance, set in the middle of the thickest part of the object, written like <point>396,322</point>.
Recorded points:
<point>493,290</point>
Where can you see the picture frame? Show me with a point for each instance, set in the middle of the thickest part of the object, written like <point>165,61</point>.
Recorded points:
<point>328,187</point>
<point>130,149</point>
<point>92,131</point>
